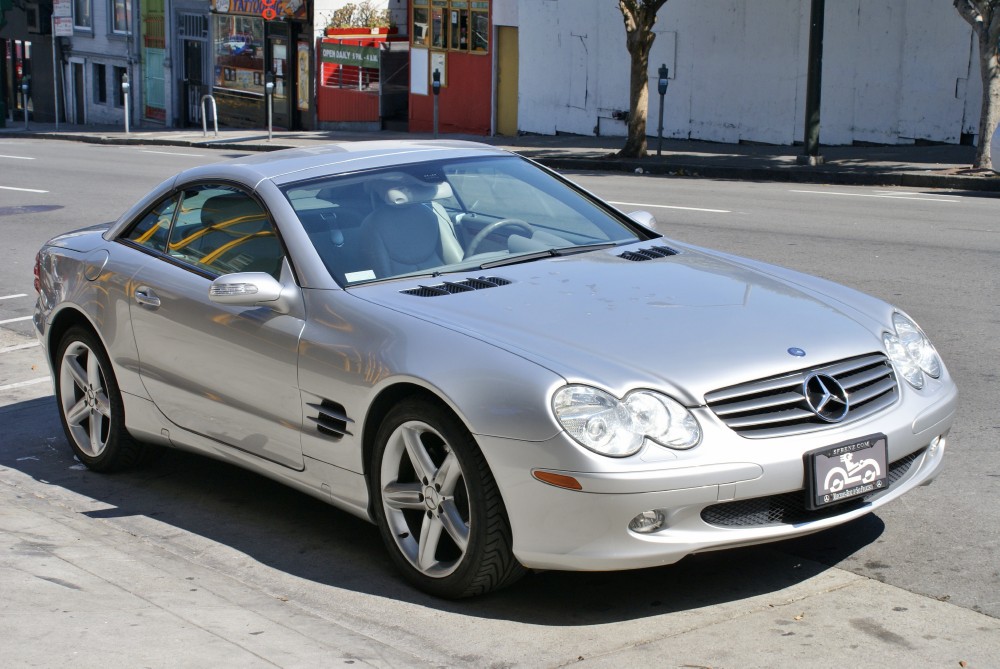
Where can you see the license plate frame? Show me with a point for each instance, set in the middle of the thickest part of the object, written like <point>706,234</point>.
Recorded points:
<point>846,471</point>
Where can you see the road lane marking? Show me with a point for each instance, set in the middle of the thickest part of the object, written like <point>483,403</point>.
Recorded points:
<point>10,297</point>
<point>17,157</point>
<point>168,153</point>
<point>884,196</point>
<point>20,347</point>
<point>23,190</point>
<point>21,384</point>
<point>667,206</point>
<point>16,320</point>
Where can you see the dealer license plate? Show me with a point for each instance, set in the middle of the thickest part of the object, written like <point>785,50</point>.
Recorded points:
<point>847,471</point>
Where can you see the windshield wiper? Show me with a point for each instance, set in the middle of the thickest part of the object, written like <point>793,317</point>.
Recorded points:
<point>513,260</point>
<point>548,253</point>
<point>582,248</point>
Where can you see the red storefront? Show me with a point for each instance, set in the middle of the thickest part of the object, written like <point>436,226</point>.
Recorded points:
<point>363,82</point>
<point>454,38</point>
<point>375,80</point>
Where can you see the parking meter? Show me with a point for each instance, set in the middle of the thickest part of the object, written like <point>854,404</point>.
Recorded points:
<point>436,87</point>
<point>269,94</point>
<point>24,100</point>
<point>125,98</point>
<point>661,86</point>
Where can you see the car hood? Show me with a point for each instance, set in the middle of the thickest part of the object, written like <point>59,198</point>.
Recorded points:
<point>688,323</point>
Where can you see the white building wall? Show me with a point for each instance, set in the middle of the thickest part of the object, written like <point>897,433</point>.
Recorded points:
<point>894,71</point>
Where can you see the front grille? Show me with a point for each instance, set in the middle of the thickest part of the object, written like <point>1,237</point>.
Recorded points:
<point>649,253</point>
<point>790,508</point>
<point>777,406</point>
<point>452,287</point>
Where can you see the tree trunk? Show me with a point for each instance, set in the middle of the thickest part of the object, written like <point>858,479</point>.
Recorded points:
<point>638,47</point>
<point>989,113</point>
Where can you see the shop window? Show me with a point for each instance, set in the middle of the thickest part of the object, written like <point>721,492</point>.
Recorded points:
<point>239,53</point>
<point>100,84</point>
<point>420,30</point>
<point>81,14</point>
<point>455,25</point>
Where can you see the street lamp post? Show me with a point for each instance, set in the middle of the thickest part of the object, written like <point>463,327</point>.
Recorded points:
<point>661,85</point>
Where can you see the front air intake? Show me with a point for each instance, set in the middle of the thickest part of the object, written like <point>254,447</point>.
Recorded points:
<point>651,253</point>
<point>453,287</point>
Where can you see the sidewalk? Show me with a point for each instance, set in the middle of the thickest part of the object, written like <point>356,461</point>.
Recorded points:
<point>934,166</point>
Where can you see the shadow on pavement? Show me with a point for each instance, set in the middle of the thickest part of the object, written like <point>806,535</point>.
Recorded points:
<point>305,538</point>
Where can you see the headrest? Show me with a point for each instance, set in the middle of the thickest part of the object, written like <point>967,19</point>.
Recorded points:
<point>230,208</point>
<point>407,190</point>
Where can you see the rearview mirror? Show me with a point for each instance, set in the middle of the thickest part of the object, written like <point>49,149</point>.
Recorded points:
<point>248,289</point>
<point>645,219</point>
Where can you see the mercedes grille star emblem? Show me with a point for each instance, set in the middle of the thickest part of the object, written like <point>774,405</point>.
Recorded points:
<point>826,397</point>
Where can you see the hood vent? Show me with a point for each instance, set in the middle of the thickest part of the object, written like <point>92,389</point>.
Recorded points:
<point>452,287</point>
<point>652,253</point>
<point>331,419</point>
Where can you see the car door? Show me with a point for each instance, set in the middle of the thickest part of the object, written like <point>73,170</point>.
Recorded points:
<point>224,372</point>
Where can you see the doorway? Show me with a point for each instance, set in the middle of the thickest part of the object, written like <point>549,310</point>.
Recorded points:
<point>79,95</point>
<point>194,86</point>
<point>281,72</point>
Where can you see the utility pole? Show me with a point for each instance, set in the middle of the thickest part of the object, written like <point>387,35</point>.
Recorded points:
<point>814,85</point>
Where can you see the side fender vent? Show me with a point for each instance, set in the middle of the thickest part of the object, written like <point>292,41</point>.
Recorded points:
<point>331,419</point>
<point>651,253</point>
<point>452,287</point>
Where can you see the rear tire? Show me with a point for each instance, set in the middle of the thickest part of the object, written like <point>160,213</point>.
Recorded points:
<point>91,407</point>
<point>437,505</point>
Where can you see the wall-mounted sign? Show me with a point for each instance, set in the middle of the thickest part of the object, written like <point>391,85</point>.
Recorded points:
<point>438,61</point>
<point>269,9</point>
<point>62,8</point>
<point>62,26</point>
<point>343,54</point>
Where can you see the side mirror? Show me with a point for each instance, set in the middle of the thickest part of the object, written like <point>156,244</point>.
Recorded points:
<point>645,219</point>
<point>249,289</point>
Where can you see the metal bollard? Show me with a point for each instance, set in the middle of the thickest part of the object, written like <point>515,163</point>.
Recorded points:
<point>125,87</point>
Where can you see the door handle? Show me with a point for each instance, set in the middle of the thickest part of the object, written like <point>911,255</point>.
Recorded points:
<point>145,296</point>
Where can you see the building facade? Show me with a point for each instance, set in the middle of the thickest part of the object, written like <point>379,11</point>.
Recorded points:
<point>894,71</point>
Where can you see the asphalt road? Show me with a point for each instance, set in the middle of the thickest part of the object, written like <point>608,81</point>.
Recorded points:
<point>934,254</point>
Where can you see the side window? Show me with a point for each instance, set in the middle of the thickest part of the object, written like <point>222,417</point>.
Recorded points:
<point>224,230</point>
<point>151,231</point>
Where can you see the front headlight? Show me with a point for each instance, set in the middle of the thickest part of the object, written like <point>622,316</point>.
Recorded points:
<point>911,351</point>
<point>601,422</point>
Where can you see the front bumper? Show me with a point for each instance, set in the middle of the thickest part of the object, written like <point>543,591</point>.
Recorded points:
<point>557,528</point>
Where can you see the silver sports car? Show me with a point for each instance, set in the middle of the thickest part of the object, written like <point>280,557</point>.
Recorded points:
<point>498,369</point>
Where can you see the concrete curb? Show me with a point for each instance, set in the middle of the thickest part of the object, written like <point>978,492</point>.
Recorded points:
<point>779,174</point>
<point>831,174</point>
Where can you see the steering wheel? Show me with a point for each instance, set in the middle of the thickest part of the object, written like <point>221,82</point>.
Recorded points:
<point>493,227</point>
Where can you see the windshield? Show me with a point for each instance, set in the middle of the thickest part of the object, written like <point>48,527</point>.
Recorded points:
<point>448,216</point>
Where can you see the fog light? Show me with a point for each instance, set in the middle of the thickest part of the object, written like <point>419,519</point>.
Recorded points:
<point>648,521</point>
<point>936,443</point>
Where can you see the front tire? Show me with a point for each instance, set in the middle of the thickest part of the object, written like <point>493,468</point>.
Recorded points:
<point>437,505</point>
<point>90,405</point>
